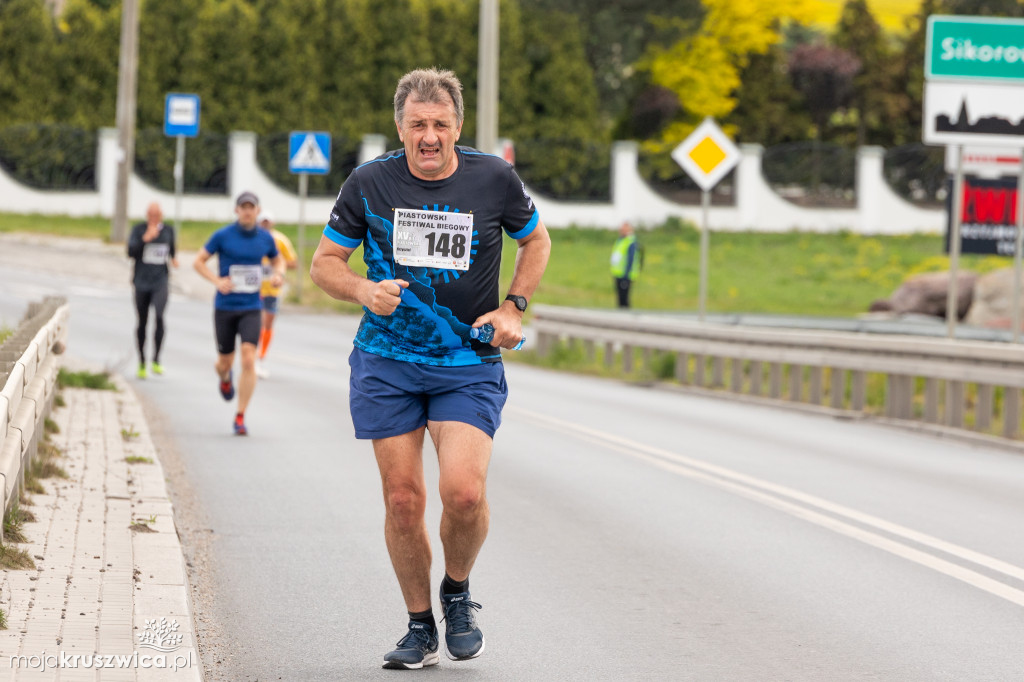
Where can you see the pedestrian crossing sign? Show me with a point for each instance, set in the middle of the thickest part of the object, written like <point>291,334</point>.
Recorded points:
<point>707,155</point>
<point>309,152</point>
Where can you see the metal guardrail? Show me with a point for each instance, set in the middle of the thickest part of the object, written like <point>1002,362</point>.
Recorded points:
<point>28,375</point>
<point>966,385</point>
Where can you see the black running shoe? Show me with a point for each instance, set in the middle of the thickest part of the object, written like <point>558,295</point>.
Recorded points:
<point>417,649</point>
<point>462,638</point>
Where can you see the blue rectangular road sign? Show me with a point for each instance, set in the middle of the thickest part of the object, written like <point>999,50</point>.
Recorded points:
<point>309,152</point>
<point>181,114</point>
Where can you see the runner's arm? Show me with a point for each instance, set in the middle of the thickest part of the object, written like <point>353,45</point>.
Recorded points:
<point>531,260</point>
<point>278,263</point>
<point>331,272</point>
<point>135,242</point>
<point>223,284</point>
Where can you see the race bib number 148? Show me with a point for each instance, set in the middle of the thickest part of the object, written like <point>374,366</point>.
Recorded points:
<point>432,239</point>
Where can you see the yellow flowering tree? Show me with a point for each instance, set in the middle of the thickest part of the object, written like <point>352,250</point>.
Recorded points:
<point>703,68</point>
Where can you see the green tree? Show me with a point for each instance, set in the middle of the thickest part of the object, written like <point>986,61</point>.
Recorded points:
<point>86,59</point>
<point>616,35</point>
<point>873,96</point>
<point>769,110</point>
<point>166,36</point>
<point>988,8</point>
<point>223,66</point>
<point>27,78</point>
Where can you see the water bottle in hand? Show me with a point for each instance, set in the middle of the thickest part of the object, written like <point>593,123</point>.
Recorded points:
<point>485,333</point>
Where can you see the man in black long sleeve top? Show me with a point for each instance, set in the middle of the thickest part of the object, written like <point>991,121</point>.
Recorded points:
<point>152,245</point>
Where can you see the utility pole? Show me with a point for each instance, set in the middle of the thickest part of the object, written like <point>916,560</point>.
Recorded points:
<point>127,78</point>
<point>487,79</point>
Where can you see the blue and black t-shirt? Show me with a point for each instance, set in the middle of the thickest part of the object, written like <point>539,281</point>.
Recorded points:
<point>431,325</point>
<point>240,255</point>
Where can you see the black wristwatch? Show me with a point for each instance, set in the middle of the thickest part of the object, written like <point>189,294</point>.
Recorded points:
<point>520,301</point>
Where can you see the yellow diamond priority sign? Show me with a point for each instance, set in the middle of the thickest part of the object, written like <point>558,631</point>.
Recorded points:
<point>707,155</point>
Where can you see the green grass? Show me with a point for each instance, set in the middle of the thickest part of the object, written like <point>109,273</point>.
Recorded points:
<point>138,459</point>
<point>14,522</point>
<point>101,381</point>
<point>794,273</point>
<point>4,333</point>
<point>193,234</point>
<point>13,558</point>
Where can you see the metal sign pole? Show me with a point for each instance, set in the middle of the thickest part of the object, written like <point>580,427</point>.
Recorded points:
<point>179,182</point>
<point>1017,250</point>
<point>954,243</point>
<point>303,190</point>
<point>705,200</point>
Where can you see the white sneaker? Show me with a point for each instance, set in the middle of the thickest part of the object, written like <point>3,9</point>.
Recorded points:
<point>261,371</point>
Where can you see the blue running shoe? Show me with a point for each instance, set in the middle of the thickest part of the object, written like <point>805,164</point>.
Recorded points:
<point>417,649</point>
<point>227,388</point>
<point>462,638</point>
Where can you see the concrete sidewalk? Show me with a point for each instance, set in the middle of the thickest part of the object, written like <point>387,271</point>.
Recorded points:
<point>109,582</point>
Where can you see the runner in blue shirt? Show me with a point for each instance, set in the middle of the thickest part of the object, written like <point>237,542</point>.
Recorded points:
<point>240,248</point>
<point>430,219</point>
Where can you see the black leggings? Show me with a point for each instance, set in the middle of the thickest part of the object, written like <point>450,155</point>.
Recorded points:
<point>143,300</point>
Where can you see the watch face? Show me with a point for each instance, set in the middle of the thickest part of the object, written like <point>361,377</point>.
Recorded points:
<point>518,300</point>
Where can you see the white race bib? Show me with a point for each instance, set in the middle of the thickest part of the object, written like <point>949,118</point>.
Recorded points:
<point>245,279</point>
<point>155,254</point>
<point>432,239</point>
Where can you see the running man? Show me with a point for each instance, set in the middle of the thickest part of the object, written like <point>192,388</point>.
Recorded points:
<point>240,248</point>
<point>430,218</point>
<point>152,245</point>
<point>269,294</point>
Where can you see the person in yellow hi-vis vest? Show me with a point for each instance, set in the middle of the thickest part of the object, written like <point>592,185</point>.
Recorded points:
<point>625,263</point>
<point>269,294</point>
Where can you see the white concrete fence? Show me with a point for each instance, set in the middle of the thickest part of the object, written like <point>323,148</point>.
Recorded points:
<point>879,209</point>
<point>28,370</point>
<point>936,384</point>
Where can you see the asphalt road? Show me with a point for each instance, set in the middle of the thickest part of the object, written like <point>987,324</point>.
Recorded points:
<point>636,533</point>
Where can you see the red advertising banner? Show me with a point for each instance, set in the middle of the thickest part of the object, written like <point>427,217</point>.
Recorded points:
<point>988,220</point>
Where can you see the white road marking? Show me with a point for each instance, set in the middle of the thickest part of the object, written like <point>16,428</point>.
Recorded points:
<point>775,495</point>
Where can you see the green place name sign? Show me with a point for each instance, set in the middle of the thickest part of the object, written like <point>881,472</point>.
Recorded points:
<point>974,48</point>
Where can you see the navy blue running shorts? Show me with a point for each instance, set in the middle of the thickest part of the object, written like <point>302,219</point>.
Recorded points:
<point>391,397</point>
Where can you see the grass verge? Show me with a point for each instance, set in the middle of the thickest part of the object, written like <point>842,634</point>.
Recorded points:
<point>15,559</point>
<point>794,273</point>
<point>14,522</point>
<point>96,380</point>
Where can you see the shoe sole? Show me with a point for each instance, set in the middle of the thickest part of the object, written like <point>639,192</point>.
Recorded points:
<point>429,659</point>
<point>464,658</point>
